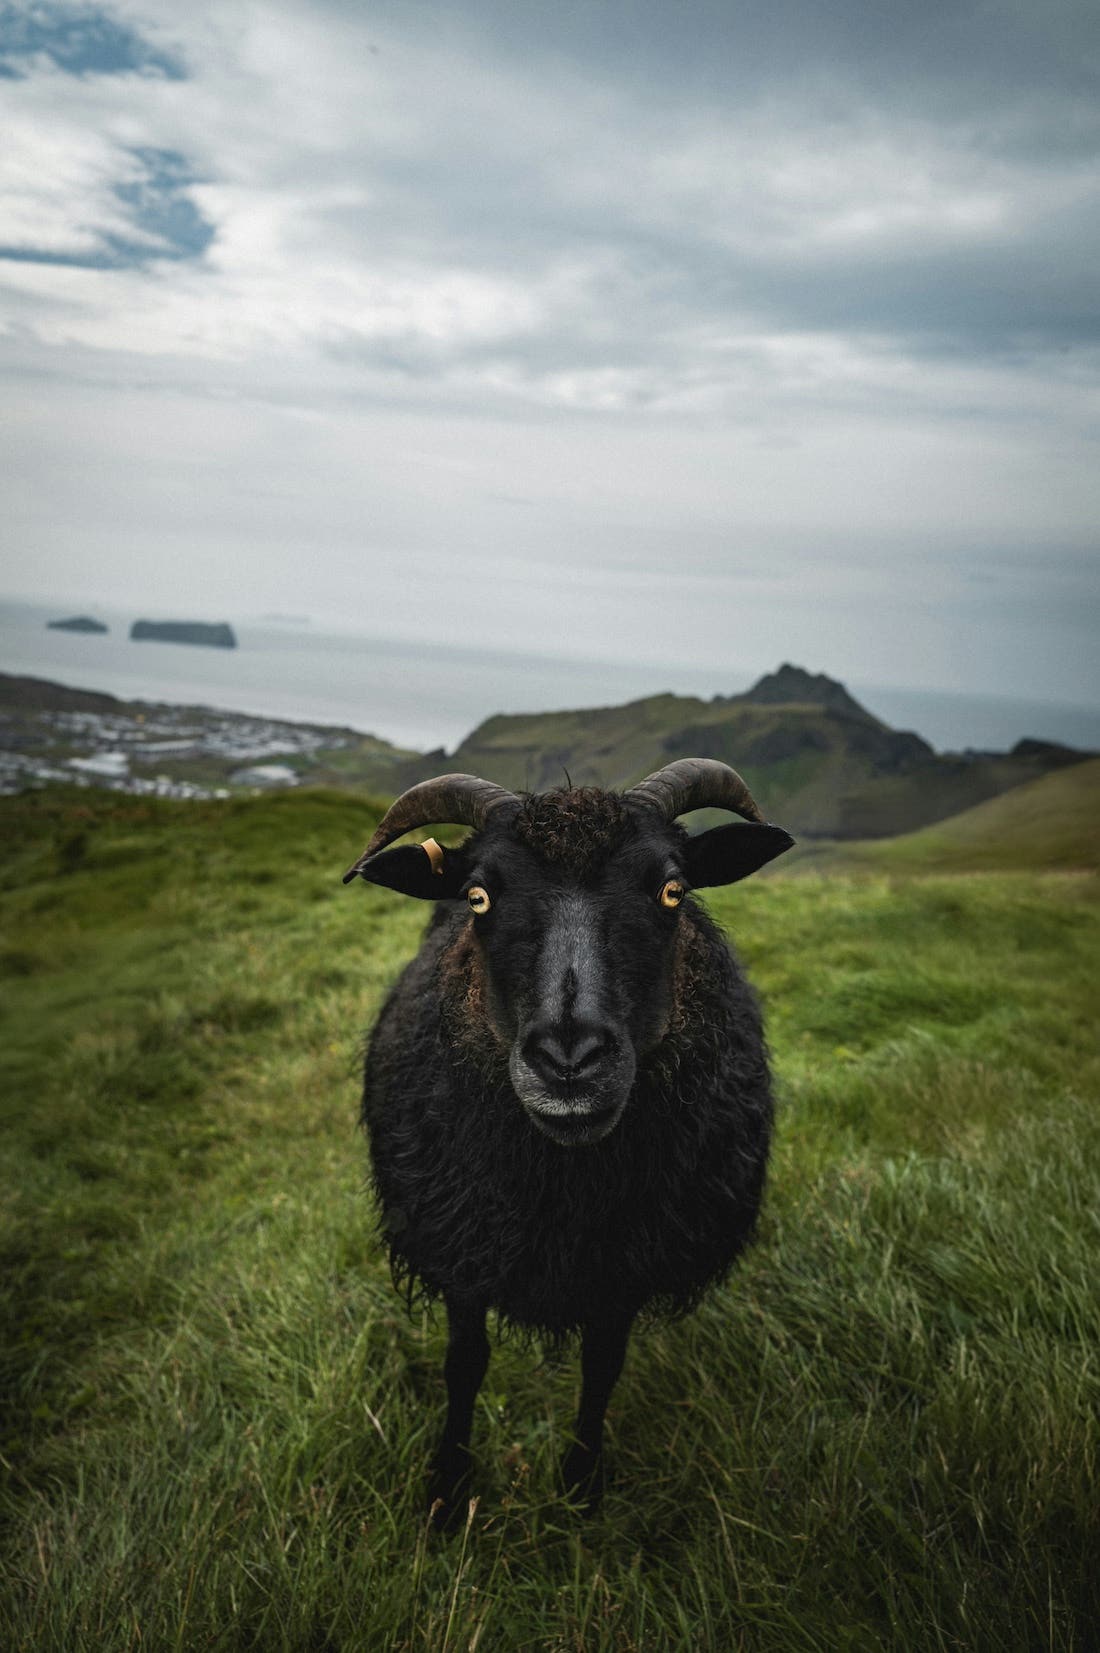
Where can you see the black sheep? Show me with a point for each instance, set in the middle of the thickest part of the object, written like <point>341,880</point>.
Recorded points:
<point>567,1091</point>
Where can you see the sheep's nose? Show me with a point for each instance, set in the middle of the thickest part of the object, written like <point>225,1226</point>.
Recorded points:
<point>568,1055</point>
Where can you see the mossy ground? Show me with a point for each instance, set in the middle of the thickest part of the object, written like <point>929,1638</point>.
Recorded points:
<point>882,1433</point>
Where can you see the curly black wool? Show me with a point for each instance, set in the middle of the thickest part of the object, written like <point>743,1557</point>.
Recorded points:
<point>477,1204</point>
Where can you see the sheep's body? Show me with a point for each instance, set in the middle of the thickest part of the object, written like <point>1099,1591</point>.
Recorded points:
<point>567,1091</point>
<point>478,1205</point>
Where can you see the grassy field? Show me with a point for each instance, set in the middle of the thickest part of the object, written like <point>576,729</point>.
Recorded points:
<point>881,1434</point>
<point>1049,824</point>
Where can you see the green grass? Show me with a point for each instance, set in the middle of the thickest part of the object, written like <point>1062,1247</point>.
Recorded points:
<point>881,1434</point>
<point>1047,824</point>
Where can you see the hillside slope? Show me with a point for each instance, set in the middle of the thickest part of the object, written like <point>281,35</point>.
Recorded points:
<point>820,764</point>
<point>1050,823</point>
<point>1046,825</point>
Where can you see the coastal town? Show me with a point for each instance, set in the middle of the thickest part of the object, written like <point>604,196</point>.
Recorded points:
<point>49,734</point>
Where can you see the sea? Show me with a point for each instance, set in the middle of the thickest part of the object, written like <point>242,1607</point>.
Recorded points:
<point>427,696</point>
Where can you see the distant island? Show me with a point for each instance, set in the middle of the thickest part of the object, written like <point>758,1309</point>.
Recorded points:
<point>183,631</point>
<point>80,622</point>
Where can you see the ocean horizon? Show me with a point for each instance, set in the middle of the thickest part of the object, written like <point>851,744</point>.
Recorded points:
<point>428,696</point>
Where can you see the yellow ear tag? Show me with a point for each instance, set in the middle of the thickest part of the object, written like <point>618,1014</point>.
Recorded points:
<point>434,853</point>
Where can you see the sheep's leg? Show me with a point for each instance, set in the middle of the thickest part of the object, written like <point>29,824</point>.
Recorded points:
<point>464,1368</point>
<point>603,1351</point>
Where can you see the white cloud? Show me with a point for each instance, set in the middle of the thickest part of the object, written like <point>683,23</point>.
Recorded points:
<point>370,186</point>
<point>795,329</point>
<point>57,171</point>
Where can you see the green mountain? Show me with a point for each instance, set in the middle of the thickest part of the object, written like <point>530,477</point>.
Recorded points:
<point>1048,824</point>
<point>818,762</point>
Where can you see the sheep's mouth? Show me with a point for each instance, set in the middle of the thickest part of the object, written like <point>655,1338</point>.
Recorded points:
<point>575,1113</point>
<point>574,1125</point>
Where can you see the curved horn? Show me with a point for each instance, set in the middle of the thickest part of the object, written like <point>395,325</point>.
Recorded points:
<point>695,783</point>
<point>462,798</point>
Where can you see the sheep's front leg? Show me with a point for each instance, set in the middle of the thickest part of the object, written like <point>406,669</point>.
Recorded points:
<point>464,1368</point>
<point>603,1351</point>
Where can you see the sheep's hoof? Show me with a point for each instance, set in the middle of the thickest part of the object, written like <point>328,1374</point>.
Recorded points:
<point>582,1476</point>
<point>448,1492</point>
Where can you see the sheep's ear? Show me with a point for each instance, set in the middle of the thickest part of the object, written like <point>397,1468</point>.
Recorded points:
<point>434,874</point>
<point>727,853</point>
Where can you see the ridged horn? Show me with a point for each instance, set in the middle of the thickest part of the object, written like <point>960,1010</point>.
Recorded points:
<point>464,799</point>
<point>695,783</point>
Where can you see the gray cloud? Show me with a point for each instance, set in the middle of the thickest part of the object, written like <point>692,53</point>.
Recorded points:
<point>790,311</point>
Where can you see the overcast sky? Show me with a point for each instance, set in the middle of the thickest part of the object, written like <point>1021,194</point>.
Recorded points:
<point>626,328</point>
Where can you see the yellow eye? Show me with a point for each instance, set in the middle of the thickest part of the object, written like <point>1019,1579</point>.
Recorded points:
<point>478,899</point>
<point>672,893</point>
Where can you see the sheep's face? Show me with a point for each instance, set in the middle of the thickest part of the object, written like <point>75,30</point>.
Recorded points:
<point>575,900</point>
<point>575,911</point>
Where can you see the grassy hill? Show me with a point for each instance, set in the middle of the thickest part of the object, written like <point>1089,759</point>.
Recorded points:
<point>216,1414</point>
<point>1050,823</point>
<point>821,764</point>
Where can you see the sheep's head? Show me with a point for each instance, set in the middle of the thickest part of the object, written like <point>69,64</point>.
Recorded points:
<point>574,899</point>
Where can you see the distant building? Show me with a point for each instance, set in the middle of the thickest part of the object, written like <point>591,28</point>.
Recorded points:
<point>111,765</point>
<point>265,774</point>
